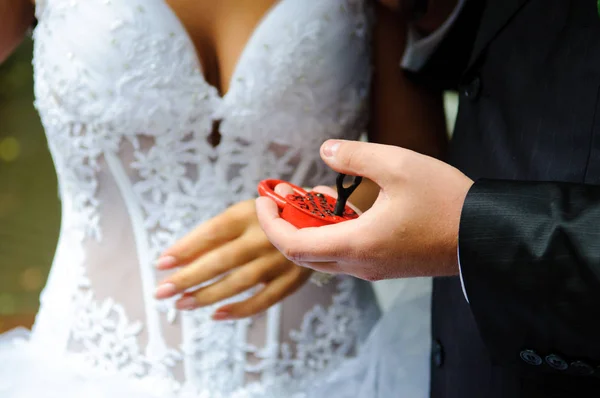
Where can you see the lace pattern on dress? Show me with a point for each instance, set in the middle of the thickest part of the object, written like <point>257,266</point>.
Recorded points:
<point>155,100</point>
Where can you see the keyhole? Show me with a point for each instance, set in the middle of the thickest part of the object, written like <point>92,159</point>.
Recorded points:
<point>214,139</point>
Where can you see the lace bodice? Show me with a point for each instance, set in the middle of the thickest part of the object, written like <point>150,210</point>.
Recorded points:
<point>128,115</point>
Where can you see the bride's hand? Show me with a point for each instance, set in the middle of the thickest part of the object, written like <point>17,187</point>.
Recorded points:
<point>231,246</point>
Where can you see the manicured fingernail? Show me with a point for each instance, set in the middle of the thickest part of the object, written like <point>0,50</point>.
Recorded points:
<point>330,148</point>
<point>221,316</point>
<point>186,303</point>
<point>165,262</point>
<point>165,290</point>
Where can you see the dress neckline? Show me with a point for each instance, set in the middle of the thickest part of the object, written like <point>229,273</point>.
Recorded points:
<point>247,47</point>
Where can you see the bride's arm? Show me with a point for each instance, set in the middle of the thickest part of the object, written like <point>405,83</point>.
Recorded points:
<point>15,18</point>
<point>403,113</point>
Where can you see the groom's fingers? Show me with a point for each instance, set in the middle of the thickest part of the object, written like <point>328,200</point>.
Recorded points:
<point>374,161</point>
<point>329,243</point>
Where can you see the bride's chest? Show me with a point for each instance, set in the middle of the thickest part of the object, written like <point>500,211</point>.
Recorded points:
<point>132,64</point>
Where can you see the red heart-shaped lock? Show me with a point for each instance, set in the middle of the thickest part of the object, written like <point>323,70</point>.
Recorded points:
<point>305,209</point>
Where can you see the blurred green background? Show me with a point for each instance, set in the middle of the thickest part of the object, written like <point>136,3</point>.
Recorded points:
<point>29,206</point>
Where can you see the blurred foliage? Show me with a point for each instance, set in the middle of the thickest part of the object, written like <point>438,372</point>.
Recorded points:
<point>29,206</point>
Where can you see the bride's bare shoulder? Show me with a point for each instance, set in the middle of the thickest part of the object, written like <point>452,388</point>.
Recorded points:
<point>15,18</point>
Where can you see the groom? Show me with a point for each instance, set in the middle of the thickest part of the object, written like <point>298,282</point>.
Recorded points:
<point>512,231</point>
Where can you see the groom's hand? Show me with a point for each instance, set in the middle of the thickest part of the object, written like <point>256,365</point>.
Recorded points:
<point>411,230</point>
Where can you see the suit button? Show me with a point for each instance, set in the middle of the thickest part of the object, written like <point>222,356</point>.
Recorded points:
<point>581,368</point>
<point>556,362</point>
<point>437,354</point>
<point>472,89</point>
<point>531,358</point>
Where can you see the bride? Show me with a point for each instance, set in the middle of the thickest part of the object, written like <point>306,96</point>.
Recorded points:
<point>165,114</point>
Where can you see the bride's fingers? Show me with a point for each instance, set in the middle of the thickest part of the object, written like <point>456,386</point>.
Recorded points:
<point>213,233</point>
<point>210,265</point>
<point>284,190</point>
<point>275,291</point>
<point>243,278</point>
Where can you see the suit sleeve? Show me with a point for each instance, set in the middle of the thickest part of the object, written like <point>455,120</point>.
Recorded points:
<point>530,258</point>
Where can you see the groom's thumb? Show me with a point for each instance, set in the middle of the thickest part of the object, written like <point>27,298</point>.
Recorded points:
<point>373,161</point>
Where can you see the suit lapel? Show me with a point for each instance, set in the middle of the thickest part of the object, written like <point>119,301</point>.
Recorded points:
<point>496,16</point>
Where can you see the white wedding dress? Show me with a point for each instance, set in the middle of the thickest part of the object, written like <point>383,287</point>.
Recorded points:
<point>128,115</point>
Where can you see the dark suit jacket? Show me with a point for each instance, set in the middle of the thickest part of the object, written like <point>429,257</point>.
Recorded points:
<point>528,130</point>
